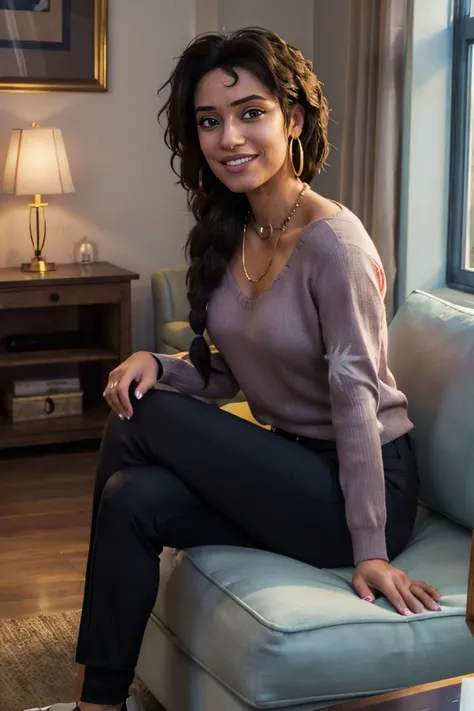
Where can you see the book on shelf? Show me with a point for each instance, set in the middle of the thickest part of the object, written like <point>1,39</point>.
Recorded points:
<point>44,386</point>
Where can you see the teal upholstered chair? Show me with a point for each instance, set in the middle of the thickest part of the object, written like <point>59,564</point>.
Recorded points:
<point>173,333</point>
<point>239,629</point>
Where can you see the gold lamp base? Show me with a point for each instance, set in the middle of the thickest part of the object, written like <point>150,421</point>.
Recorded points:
<point>38,264</point>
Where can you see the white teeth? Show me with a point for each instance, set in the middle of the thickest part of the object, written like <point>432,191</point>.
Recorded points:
<point>240,161</point>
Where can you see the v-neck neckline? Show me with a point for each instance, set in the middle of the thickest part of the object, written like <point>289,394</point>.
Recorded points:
<point>251,301</point>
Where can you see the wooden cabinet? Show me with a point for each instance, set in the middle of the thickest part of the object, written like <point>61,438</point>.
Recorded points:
<point>92,302</point>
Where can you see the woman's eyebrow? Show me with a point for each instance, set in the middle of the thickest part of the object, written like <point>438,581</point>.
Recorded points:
<point>237,102</point>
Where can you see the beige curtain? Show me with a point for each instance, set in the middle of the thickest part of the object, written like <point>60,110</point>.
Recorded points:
<point>371,147</point>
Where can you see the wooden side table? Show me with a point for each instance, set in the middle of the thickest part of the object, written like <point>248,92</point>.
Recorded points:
<point>94,302</point>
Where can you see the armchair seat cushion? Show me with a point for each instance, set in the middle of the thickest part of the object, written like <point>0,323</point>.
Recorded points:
<point>277,632</point>
<point>242,409</point>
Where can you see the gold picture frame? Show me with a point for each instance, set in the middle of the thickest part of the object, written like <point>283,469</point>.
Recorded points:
<point>62,47</point>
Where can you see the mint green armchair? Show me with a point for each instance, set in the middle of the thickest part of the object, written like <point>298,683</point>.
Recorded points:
<point>173,334</point>
<point>240,629</point>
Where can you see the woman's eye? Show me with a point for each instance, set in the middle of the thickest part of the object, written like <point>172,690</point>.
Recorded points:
<point>210,122</point>
<point>256,112</point>
<point>202,122</point>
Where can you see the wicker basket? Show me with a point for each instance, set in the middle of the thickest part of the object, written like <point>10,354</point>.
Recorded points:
<point>42,407</point>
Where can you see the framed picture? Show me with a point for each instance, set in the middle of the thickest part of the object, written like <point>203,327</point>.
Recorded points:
<point>53,45</point>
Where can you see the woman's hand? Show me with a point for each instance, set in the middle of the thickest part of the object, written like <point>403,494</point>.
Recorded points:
<point>141,367</point>
<point>406,595</point>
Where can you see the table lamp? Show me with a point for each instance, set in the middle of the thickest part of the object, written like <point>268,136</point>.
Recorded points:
<point>37,164</point>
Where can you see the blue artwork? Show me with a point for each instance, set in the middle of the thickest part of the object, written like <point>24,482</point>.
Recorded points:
<point>25,5</point>
<point>38,6</point>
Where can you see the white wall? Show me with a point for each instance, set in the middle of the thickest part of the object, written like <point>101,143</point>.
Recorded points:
<point>426,146</point>
<point>291,20</point>
<point>207,16</point>
<point>126,200</point>
<point>331,30</point>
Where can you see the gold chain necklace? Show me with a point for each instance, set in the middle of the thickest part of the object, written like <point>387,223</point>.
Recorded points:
<point>283,229</point>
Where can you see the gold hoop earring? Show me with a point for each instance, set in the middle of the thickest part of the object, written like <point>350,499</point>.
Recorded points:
<point>297,172</point>
<point>201,186</point>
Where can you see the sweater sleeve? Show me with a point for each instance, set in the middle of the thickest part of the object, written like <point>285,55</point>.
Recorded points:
<point>350,293</point>
<point>178,372</point>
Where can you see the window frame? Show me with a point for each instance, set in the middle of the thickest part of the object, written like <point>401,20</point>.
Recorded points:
<point>458,277</point>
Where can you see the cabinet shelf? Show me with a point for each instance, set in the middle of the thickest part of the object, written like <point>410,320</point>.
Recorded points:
<point>92,301</point>
<point>88,425</point>
<point>9,359</point>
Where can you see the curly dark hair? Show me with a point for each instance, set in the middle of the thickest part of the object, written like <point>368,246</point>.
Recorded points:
<point>220,213</point>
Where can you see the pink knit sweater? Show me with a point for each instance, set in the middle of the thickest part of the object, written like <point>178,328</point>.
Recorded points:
<point>310,355</point>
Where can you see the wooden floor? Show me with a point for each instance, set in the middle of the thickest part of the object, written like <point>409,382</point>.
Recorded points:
<point>45,505</point>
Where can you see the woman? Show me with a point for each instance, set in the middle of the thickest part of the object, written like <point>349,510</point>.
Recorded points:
<point>291,290</point>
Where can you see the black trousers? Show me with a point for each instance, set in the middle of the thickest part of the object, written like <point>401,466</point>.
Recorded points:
<point>183,473</point>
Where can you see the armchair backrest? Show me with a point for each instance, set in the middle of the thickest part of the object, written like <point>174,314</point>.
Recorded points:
<point>170,302</point>
<point>431,354</point>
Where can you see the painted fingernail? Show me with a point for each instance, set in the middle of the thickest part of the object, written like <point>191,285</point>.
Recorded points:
<point>138,394</point>
<point>408,613</point>
<point>368,599</point>
<point>121,417</point>
<point>439,608</point>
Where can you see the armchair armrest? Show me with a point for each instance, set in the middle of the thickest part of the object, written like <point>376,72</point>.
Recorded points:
<point>470,592</point>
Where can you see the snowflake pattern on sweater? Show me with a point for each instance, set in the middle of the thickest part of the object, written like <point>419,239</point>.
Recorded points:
<point>340,362</point>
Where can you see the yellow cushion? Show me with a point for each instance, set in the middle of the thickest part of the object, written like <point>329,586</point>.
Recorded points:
<point>241,409</point>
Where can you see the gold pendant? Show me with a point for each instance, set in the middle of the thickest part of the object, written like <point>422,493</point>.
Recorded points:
<point>261,232</point>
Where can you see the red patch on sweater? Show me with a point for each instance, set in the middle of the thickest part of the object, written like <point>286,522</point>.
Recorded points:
<point>380,274</point>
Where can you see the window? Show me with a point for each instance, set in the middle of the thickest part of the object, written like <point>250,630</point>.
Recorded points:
<point>461,223</point>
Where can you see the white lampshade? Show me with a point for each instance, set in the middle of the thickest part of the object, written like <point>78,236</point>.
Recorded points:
<point>37,163</point>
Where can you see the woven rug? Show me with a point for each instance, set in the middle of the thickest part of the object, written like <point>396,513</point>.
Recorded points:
<point>37,662</point>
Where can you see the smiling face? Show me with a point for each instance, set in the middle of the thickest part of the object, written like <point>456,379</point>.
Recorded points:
<point>241,130</point>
